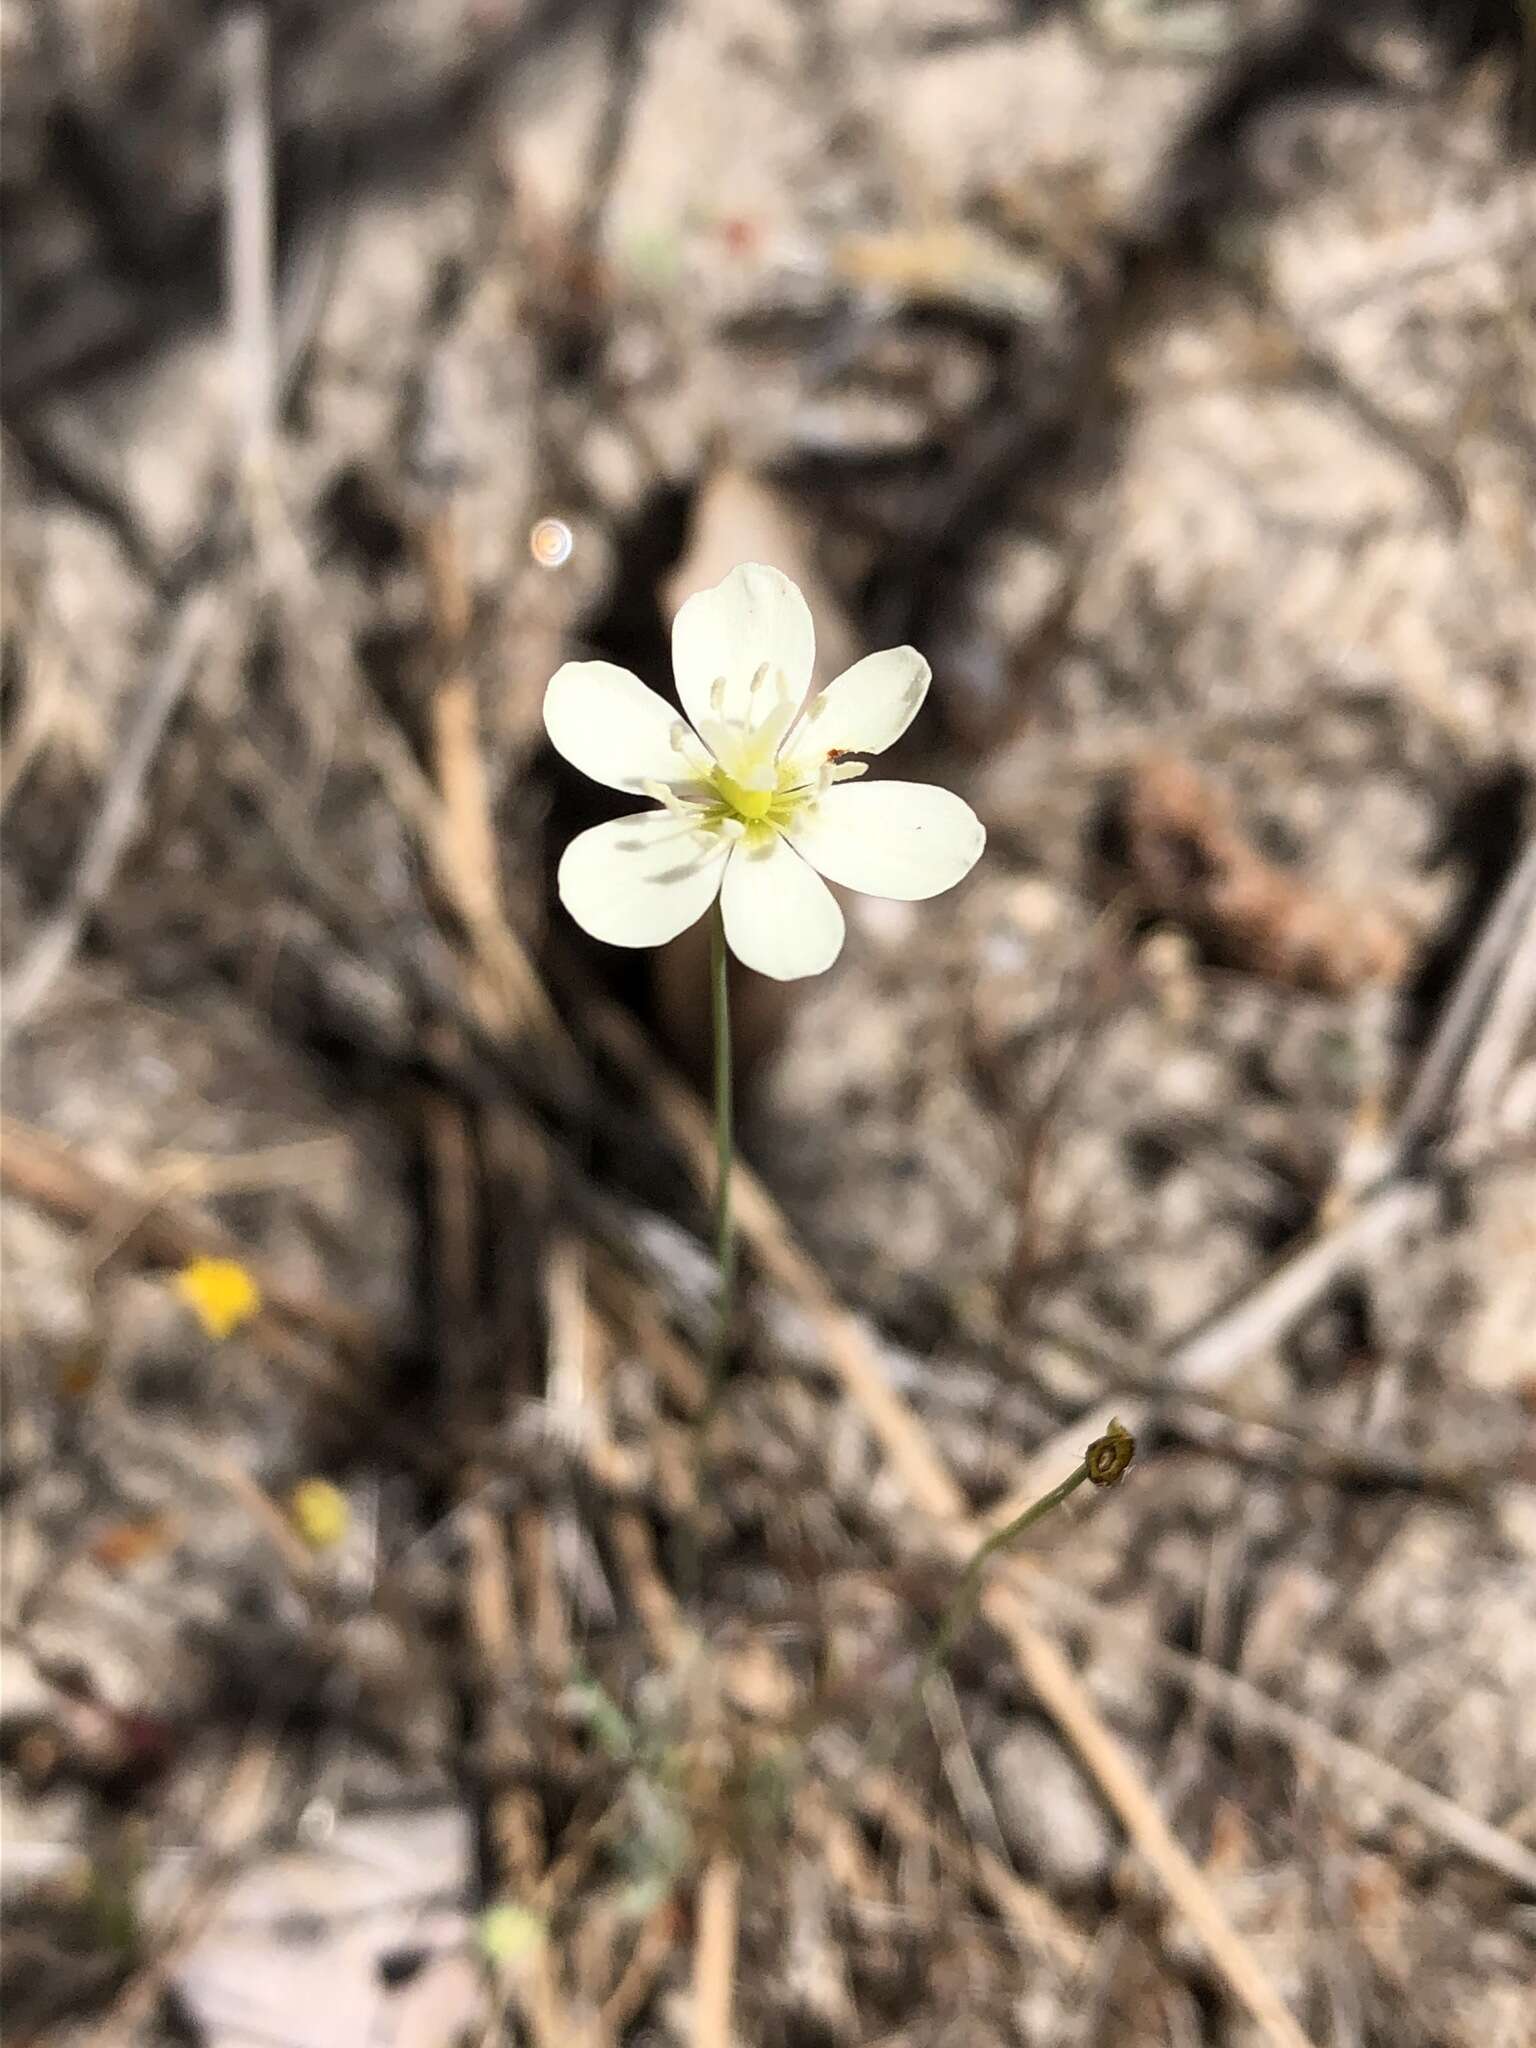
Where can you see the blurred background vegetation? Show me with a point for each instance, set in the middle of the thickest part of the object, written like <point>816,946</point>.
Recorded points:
<point>381,1660</point>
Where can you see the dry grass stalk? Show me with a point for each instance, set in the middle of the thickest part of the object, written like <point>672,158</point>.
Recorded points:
<point>236,1818</point>
<point>1462,1068</point>
<point>1059,1689</point>
<point>293,1331</point>
<point>188,635</point>
<point>717,1911</point>
<point>1240,1701</point>
<point>248,232</point>
<point>457,830</point>
<point>1037,1922</point>
<point>933,1489</point>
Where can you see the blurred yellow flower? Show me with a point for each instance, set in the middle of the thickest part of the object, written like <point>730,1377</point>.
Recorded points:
<point>507,1932</point>
<point>320,1513</point>
<point>220,1293</point>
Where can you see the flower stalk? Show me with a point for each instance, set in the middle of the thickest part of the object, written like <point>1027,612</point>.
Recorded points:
<point>725,1155</point>
<point>689,1558</point>
<point>1104,1463</point>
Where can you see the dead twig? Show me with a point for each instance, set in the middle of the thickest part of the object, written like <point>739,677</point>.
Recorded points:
<point>133,756</point>
<point>1209,1356</point>
<point>51,1174</point>
<point>1457,1045</point>
<point>231,1827</point>
<point>934,1491</point>
<point>714,1951</point>
<point>248,241</point>
<point>516,1830</point>
<point>1239,1427</point>
<point>1469,1053</point>
<point>648,1589</point>
<point>1037,1923</point>
<point>653,1950</point>
<point>1247,1705</point>
<point>293,1331</point>
<point>458,833</point>
<point>458,824</point>
<point>1059,1689</point>
<point>490,1615</point>
<point>1482,1026</point>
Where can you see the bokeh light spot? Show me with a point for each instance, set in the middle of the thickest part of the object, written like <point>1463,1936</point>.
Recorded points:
<point>551,543</point>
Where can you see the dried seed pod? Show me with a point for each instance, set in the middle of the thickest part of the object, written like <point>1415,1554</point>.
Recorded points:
<point>1109,1456</point>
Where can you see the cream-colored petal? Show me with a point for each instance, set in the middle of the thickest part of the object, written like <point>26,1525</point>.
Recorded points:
<point>755,615</point>
<point>780,918</point>
<point>866,710</point>
<point>609,725</point>
<point>901,839</point>
<point>640,881</point>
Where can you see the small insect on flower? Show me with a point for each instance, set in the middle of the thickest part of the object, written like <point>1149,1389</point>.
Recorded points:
<point>220,1293</point>
<point>752,789</point>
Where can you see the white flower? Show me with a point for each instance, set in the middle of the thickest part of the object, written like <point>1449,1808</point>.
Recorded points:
<point>755,797</point>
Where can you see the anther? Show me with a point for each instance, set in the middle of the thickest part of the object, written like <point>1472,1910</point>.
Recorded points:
<point>687,744</point>
<point>717,696</point>
<point>758,679</point>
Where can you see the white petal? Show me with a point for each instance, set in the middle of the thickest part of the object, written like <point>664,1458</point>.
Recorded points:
<point>756,615</point>
<point>865,711</point>
<point>779,917</point>
<point>901,839</point>
<point>609,725</point>
<point>640,881</point>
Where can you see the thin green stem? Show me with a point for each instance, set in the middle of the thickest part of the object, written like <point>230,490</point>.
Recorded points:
<point>962,1604</point>
<point>689,1559</point>
<point>963,1601</point>
<point>725,1154</point>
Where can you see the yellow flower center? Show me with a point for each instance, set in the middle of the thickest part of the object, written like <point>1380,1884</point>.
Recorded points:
<point>749,805</point>
<point>749,788</point>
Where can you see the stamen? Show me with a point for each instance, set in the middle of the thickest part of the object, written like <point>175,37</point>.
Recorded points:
<point>837,768</point>
<point>815,708</point>
<point>758,679</point>
<point>687,744</point>
<point>663,793</point>
<point>717,696</point>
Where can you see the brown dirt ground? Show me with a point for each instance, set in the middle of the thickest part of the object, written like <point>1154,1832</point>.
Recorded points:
<point>1168,373</point>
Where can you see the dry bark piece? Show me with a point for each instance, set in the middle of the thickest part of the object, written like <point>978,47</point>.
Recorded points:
<point>1192,862</point>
